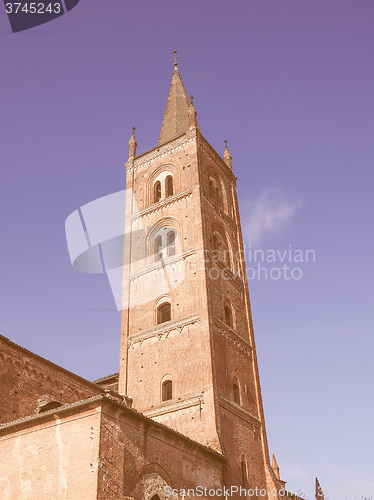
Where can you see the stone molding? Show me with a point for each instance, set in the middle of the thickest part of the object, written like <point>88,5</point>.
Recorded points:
<point>163,330</point>
<point>226,218</point>
<point>161,204</point>
<point>208,149</point>
<point>236,279</point>
<point>233,337</point>
<point>175,406</point>
<point>161,264</point>
<point>157,153</point>
<point>239,411</point>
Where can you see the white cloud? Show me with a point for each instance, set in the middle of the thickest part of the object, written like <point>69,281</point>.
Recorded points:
<point>270,212</point>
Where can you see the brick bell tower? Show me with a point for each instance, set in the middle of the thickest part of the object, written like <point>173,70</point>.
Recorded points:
<point>188,356</point>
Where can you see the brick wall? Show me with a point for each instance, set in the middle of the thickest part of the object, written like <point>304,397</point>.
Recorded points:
<point>138,458</point>
<point>28,381</point>
<point>100,450</point>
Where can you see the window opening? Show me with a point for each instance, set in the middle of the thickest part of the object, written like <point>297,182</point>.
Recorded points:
<point>157,191</point>
<point>169,188</point>
<point>236,392</point>
<point>171,243</point>
<point>167,390</point>
<point>228,316</point>
<point>244,472</point>
<point>157,248</point>
<point>164,313</point>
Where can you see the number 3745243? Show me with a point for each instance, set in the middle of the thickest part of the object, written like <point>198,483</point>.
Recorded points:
<point>33,8</point>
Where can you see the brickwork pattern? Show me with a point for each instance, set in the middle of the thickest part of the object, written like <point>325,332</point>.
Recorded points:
<point>28,381</point>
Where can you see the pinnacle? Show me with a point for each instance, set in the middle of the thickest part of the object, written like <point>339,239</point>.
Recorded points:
<point>227,158</point>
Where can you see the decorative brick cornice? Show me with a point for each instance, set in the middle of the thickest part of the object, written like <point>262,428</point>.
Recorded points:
<point>239,411</point>
<point>212,153</point>
<point>227,219</point>
<point>172,406</point>
<point>159,152</point>
<point>236,280</point>
<point>33,366</point>
<point>162,204</point>
<point>232,336</point>
<point>163,330</point>
<point>163,263</point>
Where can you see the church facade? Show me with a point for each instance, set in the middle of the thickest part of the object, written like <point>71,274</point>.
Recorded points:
<point>183,417</point>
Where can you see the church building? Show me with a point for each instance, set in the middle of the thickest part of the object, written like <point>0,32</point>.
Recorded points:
<point>183,417</point>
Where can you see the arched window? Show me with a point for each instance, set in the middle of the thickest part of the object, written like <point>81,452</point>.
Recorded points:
<point>218,196</point>
<point>51,405</point>
<point>155,497</point>
<point>169,188</point>
<point>157,248</point>
<point>215,192</point>
<point>228,316</point>
<point>164,243</point>
<point>171,243</point>
<point>221,253</point>
<point>236,391</point>
<point>167,390</point>
<point>211,189</point>
<point>219,247</point>
<point>157,192</point>
<point>244,472</point>
<point>217,242</point>
<point>164,313</point>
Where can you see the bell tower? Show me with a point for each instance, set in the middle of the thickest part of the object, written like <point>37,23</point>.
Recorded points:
<point>188,356</point>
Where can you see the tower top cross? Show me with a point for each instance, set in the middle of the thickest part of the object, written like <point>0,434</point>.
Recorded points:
<point>175,58</point>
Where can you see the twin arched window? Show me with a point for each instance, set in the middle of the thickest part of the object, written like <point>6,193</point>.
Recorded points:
<point>164,245</point>
<point>168,189</point>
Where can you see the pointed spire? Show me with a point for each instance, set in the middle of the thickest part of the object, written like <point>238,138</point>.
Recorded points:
<point>177,112</point>
<point>227,158</point>
<point>319,492</point>
<point>132,144</point>
<point>274,466</point>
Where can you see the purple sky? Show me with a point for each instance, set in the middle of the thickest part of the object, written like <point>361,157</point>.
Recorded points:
<point>290,85</point>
